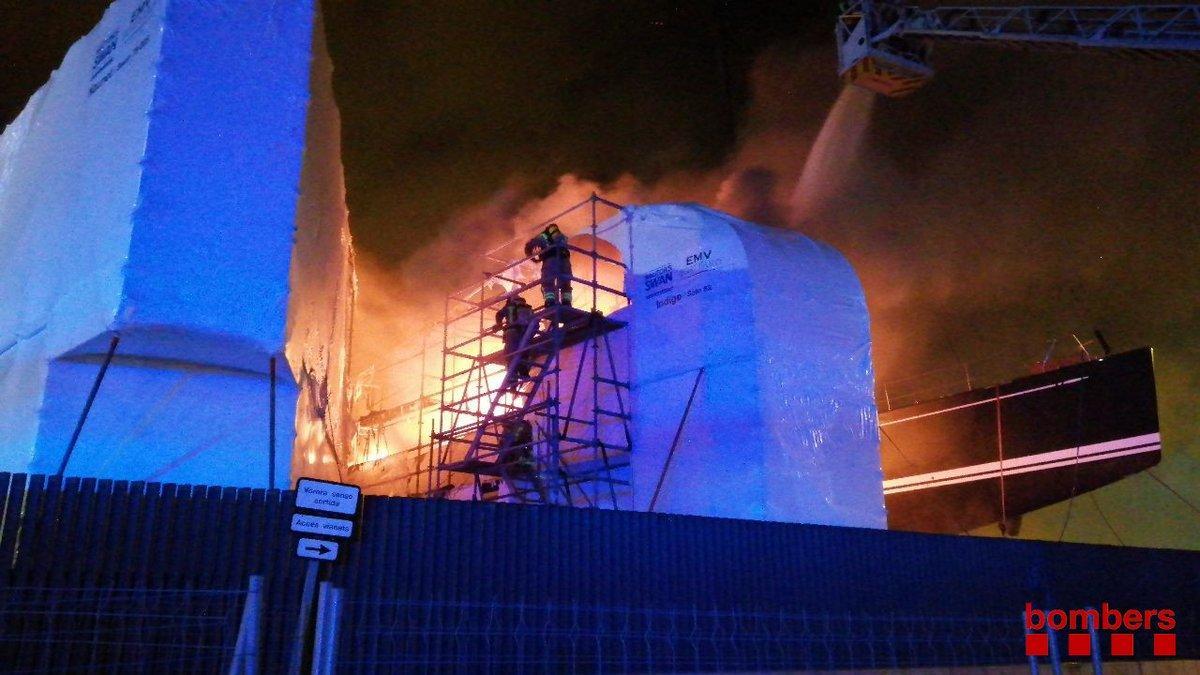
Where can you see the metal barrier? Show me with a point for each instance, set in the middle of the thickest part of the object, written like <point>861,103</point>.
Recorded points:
<point>117,630</point>
<point>507,637</point>
<point>97,576</point>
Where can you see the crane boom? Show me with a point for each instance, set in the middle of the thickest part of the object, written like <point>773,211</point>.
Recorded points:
<point>884,45</point>
<point>1141,27</point>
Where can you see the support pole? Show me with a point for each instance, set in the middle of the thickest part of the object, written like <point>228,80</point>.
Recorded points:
<point>329,610</point>
<point>1033,662</point>
<point>1103,343</point>
<point>87,407</point>
<point>271,433</point>
<point>1097,662</point>
<point>247,650</point>
<point>304,620</point>
<point>1055,659</point>
<point>678,432</point>
<point>1000,454</point>
<point>595,273</point>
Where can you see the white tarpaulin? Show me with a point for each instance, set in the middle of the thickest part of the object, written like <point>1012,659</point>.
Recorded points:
<point>783,422</point>
<point>152,189</point>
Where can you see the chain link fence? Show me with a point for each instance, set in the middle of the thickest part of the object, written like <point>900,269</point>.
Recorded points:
<point>495,637</point>
<point>117,630</point>
<point>132,630</point>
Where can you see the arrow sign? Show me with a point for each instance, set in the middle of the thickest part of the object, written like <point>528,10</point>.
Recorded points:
<point>319,495</point>
<point>317,549</point>
<point>326,527</point>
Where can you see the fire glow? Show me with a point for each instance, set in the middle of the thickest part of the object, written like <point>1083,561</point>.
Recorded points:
<point>397,404</point>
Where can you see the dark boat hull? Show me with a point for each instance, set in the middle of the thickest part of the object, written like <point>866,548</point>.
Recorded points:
<point>990,455</point>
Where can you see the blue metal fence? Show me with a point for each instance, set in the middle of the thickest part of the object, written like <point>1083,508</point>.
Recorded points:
<point>451,585</point>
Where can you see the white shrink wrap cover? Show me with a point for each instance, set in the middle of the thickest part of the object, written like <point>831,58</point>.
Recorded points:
<point>323,287</point>
<point>152,189</point>
<point>770,329</point>
<point>70,177</point>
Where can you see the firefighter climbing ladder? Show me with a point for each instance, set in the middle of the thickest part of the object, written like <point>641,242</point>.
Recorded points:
<point>574,397</point>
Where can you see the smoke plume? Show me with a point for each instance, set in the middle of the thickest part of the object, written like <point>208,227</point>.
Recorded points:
<point>1016,200</point>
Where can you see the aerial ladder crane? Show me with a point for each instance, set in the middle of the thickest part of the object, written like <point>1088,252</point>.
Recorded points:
<point>884,45</point>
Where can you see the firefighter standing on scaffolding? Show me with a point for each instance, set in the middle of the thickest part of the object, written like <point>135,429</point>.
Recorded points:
<point>514,318</point>
<point>550,248</point>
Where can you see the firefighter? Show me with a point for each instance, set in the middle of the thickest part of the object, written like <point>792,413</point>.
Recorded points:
<point>514,319</point>
<point>516,447</point>
<point>551,250</point>
<point>517,461</point>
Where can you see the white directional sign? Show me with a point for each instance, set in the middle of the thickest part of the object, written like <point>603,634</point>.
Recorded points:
<point>326,527</point>
<point>317,549</point>
<point>319,495</point>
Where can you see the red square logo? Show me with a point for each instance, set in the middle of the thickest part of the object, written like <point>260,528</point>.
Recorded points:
<point>1079,644</point>
<point>1037,644</point>
<point>1164,644</point>
<point>1122,644</point>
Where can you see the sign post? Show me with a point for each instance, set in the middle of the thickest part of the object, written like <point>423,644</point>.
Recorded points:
<point>325,513</point>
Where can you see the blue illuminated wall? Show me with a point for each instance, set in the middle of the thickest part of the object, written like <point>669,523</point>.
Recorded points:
<point>212,234</point>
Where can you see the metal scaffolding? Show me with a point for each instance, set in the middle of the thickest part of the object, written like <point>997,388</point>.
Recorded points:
<point>562,380</point>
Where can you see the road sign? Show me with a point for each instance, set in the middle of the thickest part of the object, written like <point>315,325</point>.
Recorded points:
<point>319,495</point>
<point>326,527</point>
<point>324,497</point>
<point>317,549</point>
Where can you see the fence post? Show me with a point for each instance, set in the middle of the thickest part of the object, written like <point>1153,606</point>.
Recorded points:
<point>246,652</point>
<point>329,610</point>
<point>1097,662</point>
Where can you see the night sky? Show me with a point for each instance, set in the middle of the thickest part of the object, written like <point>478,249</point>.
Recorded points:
<point>1018,198</point>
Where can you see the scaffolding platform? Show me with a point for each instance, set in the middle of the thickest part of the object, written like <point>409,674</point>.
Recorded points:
<point>576,326</point>
<point>477,467</point>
